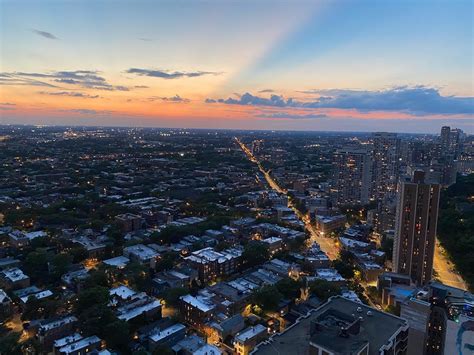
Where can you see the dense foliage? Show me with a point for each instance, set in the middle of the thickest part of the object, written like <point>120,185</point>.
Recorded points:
<point>456,226</point>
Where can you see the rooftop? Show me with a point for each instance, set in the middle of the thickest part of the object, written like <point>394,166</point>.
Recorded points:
<point>376,327</point>
<point>59,343</point>
<point>207,349</point>
<point>200,302</point>
<point>134,310</point>
<point>119,261</point>
<point>80,344</point>
<point>329,275</point>
<point>51,324</point>
<point>249,333</point>
<point>122,291</point>
<point>161,334</point>
<point>39,295</point>
<point>272,240</point>
<point>141,251</point>
<point>3,296</point>
<point>206,255</point>
<point>14,274</point>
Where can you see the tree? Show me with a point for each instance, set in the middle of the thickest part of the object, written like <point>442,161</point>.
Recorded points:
<point>163,350</point>
<point>255,253</point>
<point>167,261</point>
<point>31,308</point>
<point>345,264</point>
<point>172,234</point>
<point>36,264</point>
<point>324,289</point>
<point>222,245</point>
<point>10,344</point>
<point>142,352</point>
<point>78,254</point>
<point>115,233</point>
<point>267,298</point>
<point>289,288</point>
<point>172,295</point>
<point>94,319</point>
<point>95,296</point>
<point>296,244</point>
<point>138,276</point>
<point>456,226</point>
<point>60,264</point>
<point>97,278</point>
<point>117,334</point>
<point>44,308</point>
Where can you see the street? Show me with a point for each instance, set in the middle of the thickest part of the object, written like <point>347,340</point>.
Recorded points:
<point>445,271</point>
<point>327,245</point>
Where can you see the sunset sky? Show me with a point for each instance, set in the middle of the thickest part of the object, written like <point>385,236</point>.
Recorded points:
<point>403,65</point>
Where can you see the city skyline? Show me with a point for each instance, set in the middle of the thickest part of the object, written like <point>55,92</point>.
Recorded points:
<point>320,66</point>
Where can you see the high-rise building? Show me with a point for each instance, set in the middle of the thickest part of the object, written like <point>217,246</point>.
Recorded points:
<point>415,228</point>
<point>257,146</point>
<point>450,141</point>
<point>386,162</point>
<point>455,138</point>
<point>351,176</point>
<point>445,138</point>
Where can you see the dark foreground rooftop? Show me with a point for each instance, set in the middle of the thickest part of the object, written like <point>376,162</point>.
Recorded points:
<point>340,325</point>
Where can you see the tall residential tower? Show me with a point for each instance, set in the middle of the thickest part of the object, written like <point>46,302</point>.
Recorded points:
<point>415,228</point>
<point>351,176</point>
<point>386,160</point>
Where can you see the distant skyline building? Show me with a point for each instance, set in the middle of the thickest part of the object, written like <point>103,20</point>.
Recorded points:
<point>386,162</point>
<point>445,137</point>
<point>450,150</point>
<point>351,176</point>
<point>257,146</point>
<point>450,140</point>
<point>415,228</point>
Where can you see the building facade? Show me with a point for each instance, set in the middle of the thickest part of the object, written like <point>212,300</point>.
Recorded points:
<point>351,176</point>
<point>415,229</point>
<point>386,162</point>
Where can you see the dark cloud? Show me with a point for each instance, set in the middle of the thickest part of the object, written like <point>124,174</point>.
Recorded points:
<point>251,100</point>
<point>82,78</point>
<point>291,115</point>
<point>68,93</point>
<point>418,100</point>
<point>85,111</point>
<point>13,79</point>
<point>44,34</point>
<point>141,87</point>
<point>7,106</point>
<point>175,98</point>
<point>165,74</point>
<point>266,91</point>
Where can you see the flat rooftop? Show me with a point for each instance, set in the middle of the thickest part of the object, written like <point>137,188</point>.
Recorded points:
<point>14,274</point>
<point>202,303</point>
<point>250,333</point>
<point>164,333</point>
<point>377,328</point>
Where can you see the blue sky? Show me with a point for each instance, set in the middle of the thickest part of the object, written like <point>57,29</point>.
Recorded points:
<point>327,58</point>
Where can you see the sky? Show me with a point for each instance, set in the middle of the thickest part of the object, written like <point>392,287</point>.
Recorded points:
<point>337,65</point>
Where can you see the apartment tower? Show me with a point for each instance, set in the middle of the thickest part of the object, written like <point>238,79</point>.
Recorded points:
<point>415,228</point>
